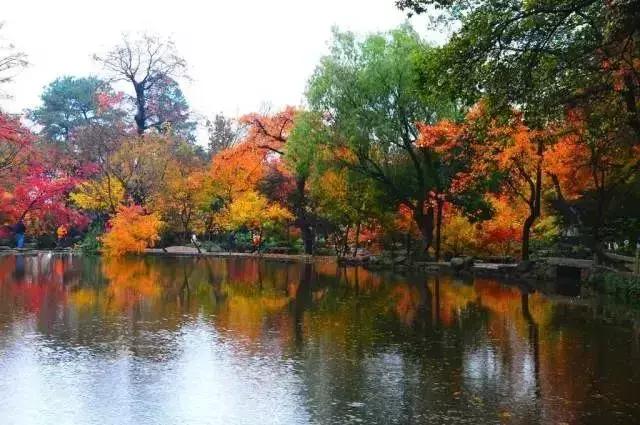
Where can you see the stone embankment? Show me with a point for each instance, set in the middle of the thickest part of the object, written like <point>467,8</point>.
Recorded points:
<point>542,269</point>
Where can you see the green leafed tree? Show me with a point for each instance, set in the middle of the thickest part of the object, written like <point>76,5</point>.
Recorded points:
<point>69,103</point>
<point>368,93</point>
<point>541,55</point>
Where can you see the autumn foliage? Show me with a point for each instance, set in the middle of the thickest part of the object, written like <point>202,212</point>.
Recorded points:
<point>385,155</point>
<point>131,230</point>
<point>31,187</point>
<point>15,144</point>
<point>237,170</point>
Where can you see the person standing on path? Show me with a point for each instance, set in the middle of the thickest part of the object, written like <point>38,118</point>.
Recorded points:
<point>19,229</point>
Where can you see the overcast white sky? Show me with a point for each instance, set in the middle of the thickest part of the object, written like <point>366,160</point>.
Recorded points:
<point>241,54</point>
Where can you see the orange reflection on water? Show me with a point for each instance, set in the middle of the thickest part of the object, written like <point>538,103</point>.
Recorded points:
<point>538,353</point>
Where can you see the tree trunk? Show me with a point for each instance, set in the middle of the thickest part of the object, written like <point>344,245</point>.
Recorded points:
<point>569,213</point>
<point>141,113</point>
<point>307,238</point>
<point>440,207</point>
<point>534,204</point>
<point>357,240</point>
<point>345,242</point>
<point>425,222</point>
<point>302,219</point>
<point>526,233</point>
<point>336,245</point>
<point>599,222</point>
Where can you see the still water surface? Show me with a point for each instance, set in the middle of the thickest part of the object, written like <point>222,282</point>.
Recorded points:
<point>240,341</point>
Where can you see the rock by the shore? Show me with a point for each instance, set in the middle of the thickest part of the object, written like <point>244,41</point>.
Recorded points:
<point>461,263</point>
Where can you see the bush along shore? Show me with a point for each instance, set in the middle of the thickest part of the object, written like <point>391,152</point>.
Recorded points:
<point>621,286</point>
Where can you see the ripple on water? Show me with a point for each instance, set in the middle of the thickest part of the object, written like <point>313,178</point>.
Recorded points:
<point>253,343</point>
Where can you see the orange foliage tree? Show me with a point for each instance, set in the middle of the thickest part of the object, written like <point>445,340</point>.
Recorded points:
<point>459,175</point>
<point>140,164</point>
<point>259,160</point>
<point>503,232</point>
<point>131,231</point>
<point>272,134</point>
<point>237,170</point>
<point>595,157</point>
<point>500,155</point>
<point>185,199</point>
<point>519,158</point>
<point>269,131</point>
<point>440,144</point>
<point>350,206</point>
<point>506,149</point>
<point>185,195</point>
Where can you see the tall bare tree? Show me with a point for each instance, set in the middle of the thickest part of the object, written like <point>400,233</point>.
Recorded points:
<point>146,62</point>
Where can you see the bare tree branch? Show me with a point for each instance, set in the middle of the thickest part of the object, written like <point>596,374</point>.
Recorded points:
<point>143,62</point>
<point>11,61</point>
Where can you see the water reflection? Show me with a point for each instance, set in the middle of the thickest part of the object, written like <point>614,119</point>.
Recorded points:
<point>138,341</point>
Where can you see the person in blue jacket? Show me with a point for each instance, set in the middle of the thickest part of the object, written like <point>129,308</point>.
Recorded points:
<point>19,229</point>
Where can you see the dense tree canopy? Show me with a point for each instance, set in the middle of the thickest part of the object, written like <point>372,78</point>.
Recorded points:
<point>559,64</point>
<point>519,132</point>
<point>368,89</point>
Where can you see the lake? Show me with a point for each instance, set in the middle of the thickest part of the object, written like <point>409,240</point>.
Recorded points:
<point>242,341</point>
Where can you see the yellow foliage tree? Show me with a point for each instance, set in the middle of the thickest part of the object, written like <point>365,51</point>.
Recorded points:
<point>102,195</point>
<point>131,231</point>
<point>185,198</point>
<point>253,211</point>
<point>459,236</point>
<point>141,164</point>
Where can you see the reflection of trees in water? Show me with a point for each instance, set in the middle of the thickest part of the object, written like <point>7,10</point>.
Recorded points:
<point>34,285</point>
<point>534,345</point>
<point>510,338</point>
<point>405,346</point>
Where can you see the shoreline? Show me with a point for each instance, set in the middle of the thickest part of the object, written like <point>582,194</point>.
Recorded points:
<point>539,270</point>
<point>545,274</point>
<point>291,258</point>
